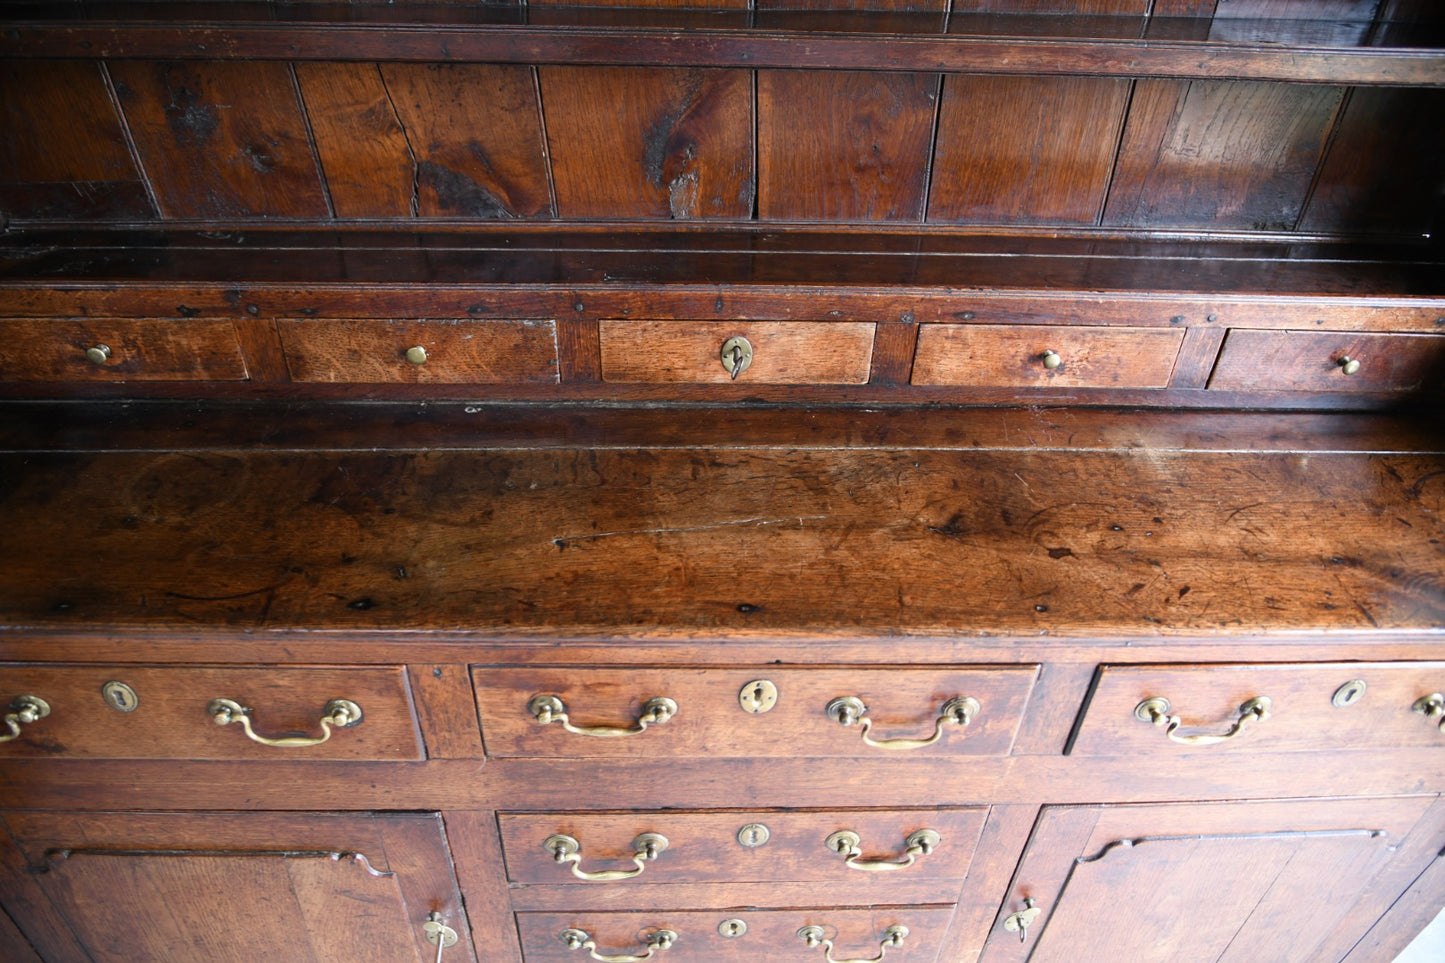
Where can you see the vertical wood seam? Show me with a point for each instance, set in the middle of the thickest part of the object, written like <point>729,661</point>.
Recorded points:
<point>1123,121</point>
<point>129,138</point>
<point>932,159</point>
<point>1337,122</point>
<point>546,149</point>
<point>757,135</point>
<point>311,140</point>
<point>406,138</point>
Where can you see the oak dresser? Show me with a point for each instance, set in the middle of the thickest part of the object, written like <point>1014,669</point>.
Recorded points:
<point>744,481</point>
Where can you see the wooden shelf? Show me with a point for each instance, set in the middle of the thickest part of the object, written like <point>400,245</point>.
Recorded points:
<point>1326,52</point>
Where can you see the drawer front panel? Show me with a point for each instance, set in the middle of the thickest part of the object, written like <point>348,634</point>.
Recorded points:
<point>1000,356</point>
<point>1312,708</point>
<point>746,847</point>
<point>421,352</point>
<point>783,352</point>
<point>1329,361</point>
<point>769,935</point>
<point>901,704</point>
<point>168,712</point>
<point>120,350</point>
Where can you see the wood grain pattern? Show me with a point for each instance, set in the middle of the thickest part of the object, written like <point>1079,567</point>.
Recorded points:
<point>784,352</point>
<point>1025,150</point>
<point>457,352</point>
<point>171,720</point>
<point>638,142</point>
<point>1313,360</point>
<point>997,355</point>
<point>844,145</point>
<point>64,154</point>
<point>1219,155</point>
<point>370,168</point>
<point>141,350</point>
<point>477,138</point>
<point>221,139</point>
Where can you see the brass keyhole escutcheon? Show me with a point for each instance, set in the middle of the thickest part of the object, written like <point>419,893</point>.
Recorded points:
<point>1348,694</point>
<point>732,929</point>
<point>758,696</point>
<point>736,355</point>
<point>754,835</point>
<point>119,696</point>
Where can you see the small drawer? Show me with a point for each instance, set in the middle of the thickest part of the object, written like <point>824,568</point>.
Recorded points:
<point>708,352</point>
<point>421,352</point>
<point>138,712</point>
<point>1317,707</point>
<point>711,712</point>
<point>737,935</point>
<point>1328,361</point>
<point>1044,356</point>
<point>894,848</point>
<point>120,350</point>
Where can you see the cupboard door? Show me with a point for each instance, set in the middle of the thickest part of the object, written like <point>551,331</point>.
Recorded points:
<point>237,887</point>
<point>1197,882</point>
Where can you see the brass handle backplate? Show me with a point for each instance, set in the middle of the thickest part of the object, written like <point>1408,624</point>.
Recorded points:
<point>1155,711</point>
<point>850,711</point>
<point>338,713</point>
<point>547,709</point>
<point>568,851</point>
<point>848,844</point>
<point>1432,707</point>
<point>438,934</point>
<point>817,936</point>
<point>1021,921</point>
<point>24,710</point>
<point>657,941</point>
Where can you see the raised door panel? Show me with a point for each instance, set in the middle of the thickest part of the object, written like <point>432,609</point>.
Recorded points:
<point>1045,356</point>
<point>767,352</point>
<point>304,888</point>
<point>1192,883</point>
<point>1335,361</point>
<point>423,352</point>
<point>34,349</point>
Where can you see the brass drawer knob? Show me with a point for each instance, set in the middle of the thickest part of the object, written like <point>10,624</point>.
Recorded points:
<point>850,711</point>
<point>1155,711</point>
<point>97,353</point>
<point>736,355</point>
<point>24,710</point>
<point>547,709</point>
<point>1051,359</point>
<point>416,354</point>
<point>338,713</point>
<point>567,851</point>
<point>656,941</point>
<point>849,845</point>
<point>1349,365</point>
<point>816,936</point>
<point>1432,707</point>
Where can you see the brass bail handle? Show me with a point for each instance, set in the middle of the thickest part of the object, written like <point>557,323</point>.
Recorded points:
<point>815,936</point>
<point>547,709</point>
<point>438,934</point>
<point>849,845</point>
<point>338,713</point>
<point>567,851</point>
<point>657,941</point>
<point>24,710</point>
<point>850,711</point>
<point>1432,707</point>
<point>1155,711</point>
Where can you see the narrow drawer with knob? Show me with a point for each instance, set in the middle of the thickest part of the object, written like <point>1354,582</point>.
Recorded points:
<point>1321,707</point>
<point>120,350</point>
<point>434,351</point>
<point>176,712</point>
<point>1335,361</point>
<point>907,851</point>
<point>758,712</point>
<point>911,933</point>
<point>741,352</point>
<point>1044,356</point>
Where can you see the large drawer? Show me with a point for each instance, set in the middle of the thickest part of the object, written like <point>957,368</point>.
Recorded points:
<point>1329,361</point>
<point>771,935</point>
<point>424,352</point>
<point>139,712</point>
<point>120,350</point>
<point>1044,356</point>
<point>887,847</point>
<point>1317,707</point>
<point>773,352</point>
<point>521,711</point>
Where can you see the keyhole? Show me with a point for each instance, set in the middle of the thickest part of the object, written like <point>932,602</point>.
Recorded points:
<point>737,361</point>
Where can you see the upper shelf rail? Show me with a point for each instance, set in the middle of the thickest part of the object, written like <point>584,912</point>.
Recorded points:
<point>1289,51</point>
